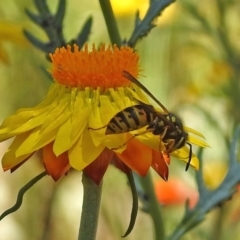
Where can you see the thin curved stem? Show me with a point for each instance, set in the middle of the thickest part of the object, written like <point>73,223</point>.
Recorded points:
<point>21,194</point>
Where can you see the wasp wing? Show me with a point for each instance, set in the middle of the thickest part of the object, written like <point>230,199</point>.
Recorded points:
<point>135,81</point>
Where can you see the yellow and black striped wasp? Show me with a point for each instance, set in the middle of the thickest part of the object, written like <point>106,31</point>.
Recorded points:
<point>165,124</point>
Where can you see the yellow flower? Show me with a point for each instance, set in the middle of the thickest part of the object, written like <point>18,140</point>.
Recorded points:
<point>129,7</point>
<point>219,169</point>
<point>69,124</point>
<point>125,7</point>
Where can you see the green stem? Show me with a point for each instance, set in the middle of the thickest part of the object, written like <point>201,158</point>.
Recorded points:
<point>90,209</point>
<point>110,22</point>
<point>217,231</point>
<point>154,207</point>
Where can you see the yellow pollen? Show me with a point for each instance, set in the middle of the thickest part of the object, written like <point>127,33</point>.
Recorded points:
<point>101,67</point>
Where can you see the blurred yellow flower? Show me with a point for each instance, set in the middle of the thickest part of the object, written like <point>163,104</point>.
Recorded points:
<point>220,72</point>
<point>89,90</point>
<point>10,32</point>
<point>214,173</point>
<point>127,7</point>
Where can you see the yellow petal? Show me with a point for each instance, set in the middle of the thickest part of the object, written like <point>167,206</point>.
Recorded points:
<point>138,94</point>
<point>65,137</point>
<point>188,129</point>
<point>43,138</point>
<point>107,110</point>
<point>30,124</point>
<point>55,114</point>
<point>25,114</point>
<point>18,123</point>
<point>36,140</point>
<point>194,162</point>
<point>119,101</point>
<point>197,141</point>
<point>183,154</point>
<point>27,118</point>
<point>49,132</point>
<point>99,118</point>
<point>153,141</point>
<point>83,152</point>
<point>27,144</point>
<point>118,142</point>
<point>124,98</point>
<point>95,120</point>
<point>80,113</point>
<point>10,159</point>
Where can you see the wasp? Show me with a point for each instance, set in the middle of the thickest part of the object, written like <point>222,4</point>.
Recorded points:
<point>165,124</point>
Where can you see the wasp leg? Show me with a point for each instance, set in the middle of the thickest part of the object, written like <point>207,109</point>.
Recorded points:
<point>164,133</point>
<point>97,128</point>
<point>161,137</point>
<point>189,157</point>
<point>166,157</point>
<point>162,140</point>
<point>170,145</point>
<point>133,136</point>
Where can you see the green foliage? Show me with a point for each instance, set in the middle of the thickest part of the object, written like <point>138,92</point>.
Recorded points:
<point>53,25</point>
<point>143,27</point>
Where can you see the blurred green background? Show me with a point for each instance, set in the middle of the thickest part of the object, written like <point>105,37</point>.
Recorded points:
<point>186,63</point>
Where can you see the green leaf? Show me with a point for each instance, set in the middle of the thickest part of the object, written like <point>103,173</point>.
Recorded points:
<point>84,33</point>
<point>143,27</point>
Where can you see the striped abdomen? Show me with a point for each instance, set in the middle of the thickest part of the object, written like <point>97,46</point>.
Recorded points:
<point>129,119</point>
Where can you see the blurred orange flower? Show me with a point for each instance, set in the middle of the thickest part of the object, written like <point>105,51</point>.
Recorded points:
<point>175,192</point>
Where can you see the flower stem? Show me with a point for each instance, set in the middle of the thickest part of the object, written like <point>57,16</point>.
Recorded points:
<point>90,209</point>
<point>154,207</point>
<point>110,22</point>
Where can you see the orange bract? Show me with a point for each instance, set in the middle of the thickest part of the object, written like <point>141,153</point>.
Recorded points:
<point>101,67</point>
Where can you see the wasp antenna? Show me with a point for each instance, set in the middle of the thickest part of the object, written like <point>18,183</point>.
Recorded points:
<point>190,156</point>
<point>135,81</point>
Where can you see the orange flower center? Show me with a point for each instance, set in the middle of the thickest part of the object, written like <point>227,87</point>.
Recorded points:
<point>101,67</point>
